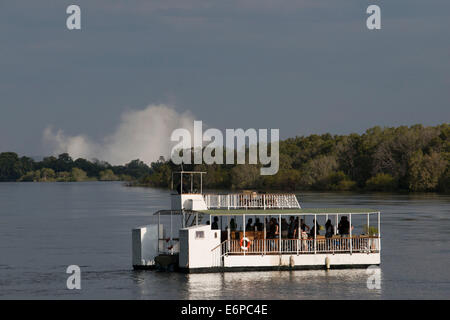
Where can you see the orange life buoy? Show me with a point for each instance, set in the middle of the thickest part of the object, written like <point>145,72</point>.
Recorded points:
<point>248,243</point>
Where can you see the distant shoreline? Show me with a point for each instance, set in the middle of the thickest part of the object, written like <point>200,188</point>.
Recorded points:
<point>401,159</point>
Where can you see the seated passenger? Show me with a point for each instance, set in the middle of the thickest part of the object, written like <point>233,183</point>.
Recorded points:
<point>248,226</point>
<point>258,225</point>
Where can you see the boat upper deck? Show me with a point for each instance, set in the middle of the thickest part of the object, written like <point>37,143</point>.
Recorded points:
<point>251,200</point>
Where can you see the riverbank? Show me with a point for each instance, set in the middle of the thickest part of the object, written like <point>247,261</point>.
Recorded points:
<point>412,159</point>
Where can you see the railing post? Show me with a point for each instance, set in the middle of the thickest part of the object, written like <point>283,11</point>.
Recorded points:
<point>171,241</point>
<point>228,234</point>
<point>315,233</point>
<point>379,232</point>
<point>336,225</point>
<point>279,233</point>
<point>369,244</point>
<point>159,221</point>
<point>243,228</point>
<point>264,243</point>
<point>351,240</point>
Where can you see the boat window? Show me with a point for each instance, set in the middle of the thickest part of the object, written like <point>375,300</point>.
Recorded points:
<point>199,234</point>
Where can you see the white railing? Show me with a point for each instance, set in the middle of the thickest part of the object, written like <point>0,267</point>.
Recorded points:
<point>217,254</point>
<point>251,201</point>
<point>300,246</point>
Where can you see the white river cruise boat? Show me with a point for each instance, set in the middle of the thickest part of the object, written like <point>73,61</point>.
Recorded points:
<point>211,232</point>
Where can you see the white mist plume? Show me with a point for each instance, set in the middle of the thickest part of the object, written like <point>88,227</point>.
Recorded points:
<point>141,134</point>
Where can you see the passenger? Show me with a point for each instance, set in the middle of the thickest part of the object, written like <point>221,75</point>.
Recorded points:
<point>258,225</point>
<point>291,228</point>
<point>249,226</point>
<point>215,224</point>
<point>329,229</point>
<point>269,228</point>
<point>303,226</point>
<point>315,229</point>
<point>295,234</point>
<point>304,235</point>
<point>277,228</point>
<point>233,225</point>
<point>344,227</point>
<point>284,228</point>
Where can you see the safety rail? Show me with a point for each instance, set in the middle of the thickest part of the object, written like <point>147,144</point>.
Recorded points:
<point>251,200</point>
<point>355,244</point>
<point>218,253</point>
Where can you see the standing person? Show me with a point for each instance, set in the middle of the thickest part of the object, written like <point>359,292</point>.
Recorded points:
<point>233,225</point>
<point>303,225</point>
<point>291,228</point>
<point>315,229</point>
<point>284,228</point>
<point>295,234</point>
<point>329,229</point>
<point>271,234</point>
<point>276,229</point>
<point>329,232</point>
<point>215,224</point>
<point>344,227</point>
<point>270,229</point>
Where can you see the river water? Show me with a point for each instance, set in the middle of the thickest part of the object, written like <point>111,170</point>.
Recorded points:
<point>45,227</point>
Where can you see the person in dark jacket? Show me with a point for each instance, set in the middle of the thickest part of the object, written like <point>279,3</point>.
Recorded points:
<point>344,226</point>
<point>315,229</point>
<point>215,224</point>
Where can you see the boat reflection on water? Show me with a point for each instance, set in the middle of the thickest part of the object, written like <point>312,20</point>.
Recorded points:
<point>308,284</point>
<point>332,284</point>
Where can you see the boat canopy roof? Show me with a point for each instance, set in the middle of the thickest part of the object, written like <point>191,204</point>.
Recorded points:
<point>268,212</point>
<point>303,211</point>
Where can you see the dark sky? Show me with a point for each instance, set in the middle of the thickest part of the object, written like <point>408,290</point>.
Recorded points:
<point>301,66</point>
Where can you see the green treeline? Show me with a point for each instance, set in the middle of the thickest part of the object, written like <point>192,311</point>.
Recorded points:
<point>414,159</point>
<point>65,169</point>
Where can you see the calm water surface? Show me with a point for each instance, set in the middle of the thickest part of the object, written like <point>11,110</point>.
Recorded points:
<point>44,227</point>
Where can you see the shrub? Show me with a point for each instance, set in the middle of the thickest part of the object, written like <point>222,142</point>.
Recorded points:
<point>381,182</point>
